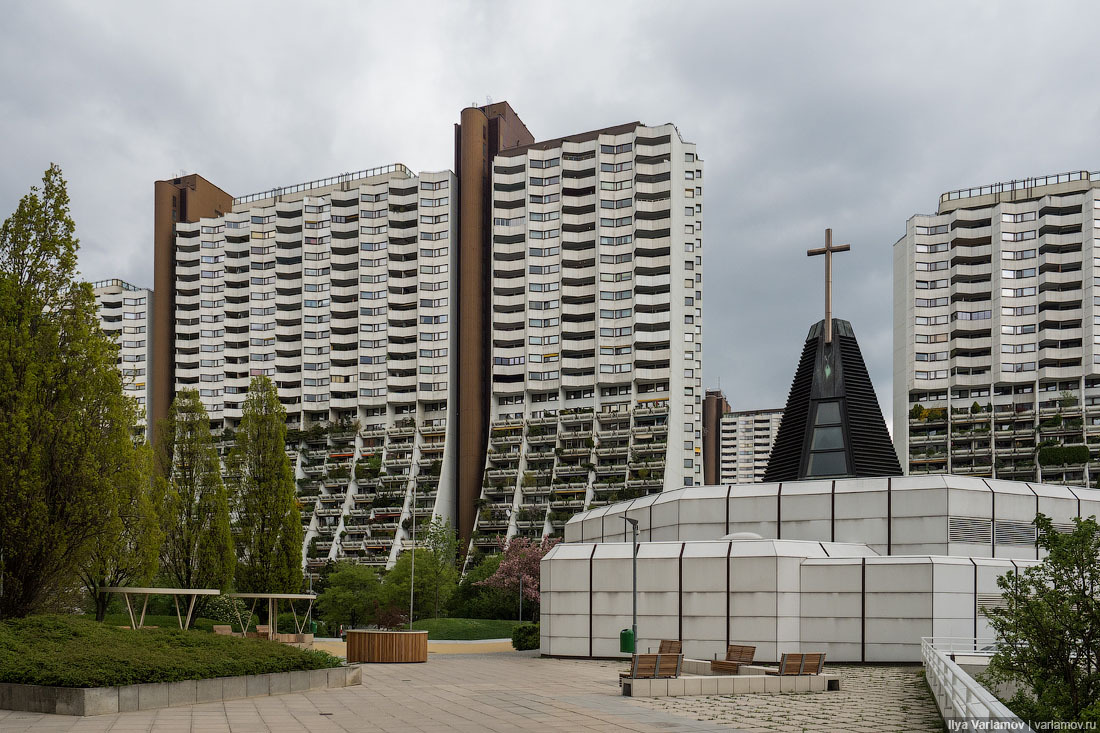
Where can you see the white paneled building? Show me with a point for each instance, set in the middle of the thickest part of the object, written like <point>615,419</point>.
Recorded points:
<point>746,444</point>
<point>860,569</point>
<point>596,326</point>
<point>124,311</point>
<point>340,291</point>
<point>996,340</point>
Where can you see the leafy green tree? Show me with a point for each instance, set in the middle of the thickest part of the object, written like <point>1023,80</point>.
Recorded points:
<point>471,599</point>
<point>198,546</point>
<point>350,595</point>
<point>436,573</point>
<point>67,428</point>
<point>126,550</point>
<point>267,521</point>
<point>1049,630</point>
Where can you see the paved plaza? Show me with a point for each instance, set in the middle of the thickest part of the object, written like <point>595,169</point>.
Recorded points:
<point>520,692</point>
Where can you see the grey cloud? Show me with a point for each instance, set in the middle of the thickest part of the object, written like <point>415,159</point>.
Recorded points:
<point>842,114</point>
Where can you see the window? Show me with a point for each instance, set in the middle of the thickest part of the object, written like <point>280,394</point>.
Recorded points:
<point>1023,254</point>
<point>1017,236</point>
<point>616,149</point>
<point>544,269</point>
<point>543,216</point>
<point>1026,366</point>
<point>937,229</point>
<point>548,181</point>
<point>928,248</point>
<point>616,167</point>
<point>547,198</point>
<point>615,185</point>
<point>931,284</point>
<point>931,302</point>
<point>827,455</point>
<point>551,163</point>
<point>433,186</point>
<point>622,221</point>
<point>432,203</point>
<point>1016,274</point>
<point>1017,292</point>
<point>1017,218</point>
<point>1023,310</point>
<point>545,234</point>
<point>615,203</point>
<point>971,315</point>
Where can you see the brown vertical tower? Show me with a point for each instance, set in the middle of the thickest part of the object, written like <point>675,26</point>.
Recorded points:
<point>714,406</point>
<point>187,198</point>
<point>480,134</point>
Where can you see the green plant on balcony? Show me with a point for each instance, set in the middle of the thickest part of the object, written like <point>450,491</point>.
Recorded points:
<point>1062,455</point>
<point>528,480</point>
<point>533,431</point>
<point>406,422</point>
<point>338,473</point>
<point>1052,422</point>
<point>588,443</point>
<point>368,467</point>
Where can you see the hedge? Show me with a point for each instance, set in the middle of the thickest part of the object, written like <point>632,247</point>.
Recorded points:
<point>526,637</point>
<point>68,651</point>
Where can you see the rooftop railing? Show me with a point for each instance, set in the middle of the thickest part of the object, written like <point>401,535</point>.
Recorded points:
<point>115,281</point>
<point>323,182</point>
<point>1019,185</point>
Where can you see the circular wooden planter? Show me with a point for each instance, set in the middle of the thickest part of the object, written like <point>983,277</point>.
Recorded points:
<point>387,646</point>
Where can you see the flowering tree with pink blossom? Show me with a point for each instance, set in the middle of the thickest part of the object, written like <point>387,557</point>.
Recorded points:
<point>520,566</point>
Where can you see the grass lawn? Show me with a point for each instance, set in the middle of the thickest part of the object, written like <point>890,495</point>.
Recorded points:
<point>466,628</point>
<point>70,651</point>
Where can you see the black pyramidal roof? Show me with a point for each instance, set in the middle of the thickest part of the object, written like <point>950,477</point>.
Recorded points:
<point>832,426</point>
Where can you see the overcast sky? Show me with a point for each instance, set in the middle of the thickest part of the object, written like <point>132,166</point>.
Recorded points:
<point>808,115</point>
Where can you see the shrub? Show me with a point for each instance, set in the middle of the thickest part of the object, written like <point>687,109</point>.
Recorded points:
<point>525,637</point>
<point>1060,455</point>
<point>66,651</point>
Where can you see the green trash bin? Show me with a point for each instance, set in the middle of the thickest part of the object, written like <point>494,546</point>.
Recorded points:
<point>626,641</point>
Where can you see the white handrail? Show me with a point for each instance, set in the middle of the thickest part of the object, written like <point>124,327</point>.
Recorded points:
<point>958,695</point>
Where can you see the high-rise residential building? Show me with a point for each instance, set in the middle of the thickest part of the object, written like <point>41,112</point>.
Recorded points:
<point>746,444</point>
<point>341,292</point>
<point>125,312</point>
<point>390,307</point>
<point>596,326</point>
<point>997,332</point>
<point>714,407</point>
<point>184,198</point>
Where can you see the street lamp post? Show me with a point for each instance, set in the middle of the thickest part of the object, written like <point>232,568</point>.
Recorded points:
<point>412,562</point>
<point>634,559</point>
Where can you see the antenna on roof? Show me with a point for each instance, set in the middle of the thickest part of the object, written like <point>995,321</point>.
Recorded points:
<point>488,100</point>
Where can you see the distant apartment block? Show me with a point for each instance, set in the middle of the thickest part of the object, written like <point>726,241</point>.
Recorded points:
<point>997,332</point>
<point>124,312</point>
<point>541,303</point>
<point>746,444</point>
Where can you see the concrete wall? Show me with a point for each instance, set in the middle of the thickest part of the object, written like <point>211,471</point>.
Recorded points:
<point>781,596</point>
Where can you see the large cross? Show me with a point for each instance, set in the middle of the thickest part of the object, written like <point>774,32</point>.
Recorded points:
<point>828,250</point>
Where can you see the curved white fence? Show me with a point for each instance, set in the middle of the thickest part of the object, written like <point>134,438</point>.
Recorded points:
<point>960,698</point>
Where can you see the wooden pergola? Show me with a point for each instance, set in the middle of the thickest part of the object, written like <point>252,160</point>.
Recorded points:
<point>273,609</point>
<point>139,622</point>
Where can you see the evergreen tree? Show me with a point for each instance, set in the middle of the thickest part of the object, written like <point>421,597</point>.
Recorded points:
<point>267,519</point>
<point>198,546</point>
<point>66,429</point>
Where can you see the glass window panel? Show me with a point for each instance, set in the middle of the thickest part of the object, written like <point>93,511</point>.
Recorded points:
<point>832,463</point>
<point>830,438</point>
<point>828,413</point>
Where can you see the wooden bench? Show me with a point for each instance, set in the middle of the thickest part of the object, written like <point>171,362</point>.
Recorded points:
<point>654,666</point>
<point>736,655</point>
<point>667,646</point>
<point>799,664</point>
<point>223,629</point>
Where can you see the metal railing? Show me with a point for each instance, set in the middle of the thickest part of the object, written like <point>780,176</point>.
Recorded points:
<point>1019,185</point>
<point>322,182</point>
<point>958,695</point>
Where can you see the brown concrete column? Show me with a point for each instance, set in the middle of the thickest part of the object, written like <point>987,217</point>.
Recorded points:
<point>714,406</point>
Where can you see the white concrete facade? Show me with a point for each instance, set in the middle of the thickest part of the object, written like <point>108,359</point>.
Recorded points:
<point>124,314</point>
<point>996,332</point>
<point>340,291</point>
<point>596,326</point>
<point>858,568</point>
<point>746,440</point>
